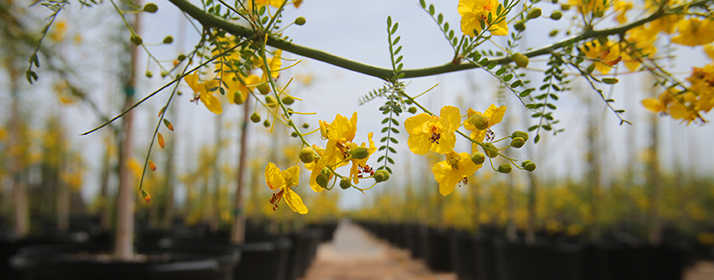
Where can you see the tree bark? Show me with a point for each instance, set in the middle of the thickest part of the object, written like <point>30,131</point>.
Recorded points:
<point>655,227</point>
<point>238,228</point>
<point>19,192</point>
<point>105,211</point>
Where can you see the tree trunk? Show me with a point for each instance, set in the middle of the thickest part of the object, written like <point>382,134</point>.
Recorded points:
<point>105,210</point>
<point>238,229</point>
<point>19,192</point>
<point>655,228</point>
<point>123,244</point>
<point>593,158</point>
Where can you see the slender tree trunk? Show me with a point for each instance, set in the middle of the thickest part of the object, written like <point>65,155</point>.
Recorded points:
<point>19,191</point>
<point>105,211</point>
<point>238,229</point>
<point>123,244</point>
<point>63,204</point>
<point>655,230</point>
<point>593,158</point>
<point>216,209</point>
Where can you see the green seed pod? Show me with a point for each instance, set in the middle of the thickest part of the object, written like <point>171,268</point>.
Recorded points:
<point>610,81</point>
<point>478,157</point>
<point>381,175</point>
<point>520,59</point>
<point>520,26</point>
<point>412,110</point>
<point>300,21</point>
<point>149,74</point>
<point>255,117</point>
<point>288,100</point>
<point>528,165</point>
<point>307,155</point>
<point>136,40</point>
<point>504,168</point>
<point>535,13</point>
<point>490,149</point>
<point>238,98</point>
<point>345,184</point>
<point>151,8</point>
<point>521,134</point>
<point>517,142</point>
<point>359,153</point>
<point>264,88</point>
<point>478,121</point>
<point>556,15</point>
<point>168,40</point>
<point>266,123</point>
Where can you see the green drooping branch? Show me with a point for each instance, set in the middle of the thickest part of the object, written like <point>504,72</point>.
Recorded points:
<point>209,20</point>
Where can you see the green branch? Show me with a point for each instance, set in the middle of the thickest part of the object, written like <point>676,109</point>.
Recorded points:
<point>383,73</point>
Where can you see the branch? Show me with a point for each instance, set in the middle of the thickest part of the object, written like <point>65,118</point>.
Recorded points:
<point>385,74</point>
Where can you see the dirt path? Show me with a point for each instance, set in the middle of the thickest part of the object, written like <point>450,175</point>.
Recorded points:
<point>356,255</point>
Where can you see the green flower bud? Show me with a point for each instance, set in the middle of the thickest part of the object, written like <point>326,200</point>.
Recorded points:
<point>322,180</point>
<point>564,7</point>
<point>381,175</point>
<point>359,153</point>
<point>553,33</point>
<point>288,100</point>
<point>164,74</point>
<point>535,13</point>
<point>520,59</point>
<point>264,88</point>
<point>412,110</point>
<point>490,149</point>
<point>255,117</point>
<point>307,155</point>
<point>300,21</point>
<point>478,121</point>
<point>270,101</point>
<point>478,157</point>
<point>238,98</point>
<point>517,142</point>
<point>151,8</point>
<point>520,134</point>
<point>136,40</point>
<point>294,134</point>
<point>266,123</point>
<point>305,125</point>
<point>528,165</point>
<point>345,184</point>
<point>610,81</point>
<point>520,26</point>
<point>149,74</point>
<point>504,168</point>
<point>168,40</point>
<point>556,15</point>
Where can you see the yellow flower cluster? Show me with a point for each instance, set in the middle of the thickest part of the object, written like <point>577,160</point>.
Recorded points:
<point>473,12</point>
<point>430,133</point>
<point>687,105</point>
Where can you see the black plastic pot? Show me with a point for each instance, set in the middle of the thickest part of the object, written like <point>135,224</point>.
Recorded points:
<point>618,261</point>
<point>9,247</point>
<point>79,262</point>
<point>463,254</point>
<point>303,252</point>
<point>264,260</point>
<point>539,261</point>
<point>438,254</point>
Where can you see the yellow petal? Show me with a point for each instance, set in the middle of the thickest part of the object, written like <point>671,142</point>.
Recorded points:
<point>273,177</point>
<point>446,143</point>
<point>211,102</point>
<point>292,176</point>
<point>709,50</point>
<point>414,124</point>
<point>451,118</point>
<point>654,105</point>
<point>294,201</point>
<point>419,144</point>
<point>495,114</point>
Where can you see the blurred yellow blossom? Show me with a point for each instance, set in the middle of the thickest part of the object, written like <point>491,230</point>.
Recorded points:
<point>282,181</point>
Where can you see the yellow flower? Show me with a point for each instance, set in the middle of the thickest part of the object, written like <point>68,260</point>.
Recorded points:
<point>359,166</point>
<point>641,44</point>
<point>493,115</point>
<point>709,50</point>
<point>474,11</point>
<point>456,168</point>
<point>201,89</point>
<point>260,3</point>
<point>591,6</point>
<point>694,32</point>
<point>604,56</point>
<point>275,63</point>
<point>622,7</point>
<point>59,31</point>
<point>282,181</point>
<point>318,165</point>
<point>236,86</point>
<point>433,133</point>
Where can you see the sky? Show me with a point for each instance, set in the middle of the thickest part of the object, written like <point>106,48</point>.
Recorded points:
<point>356,30</point>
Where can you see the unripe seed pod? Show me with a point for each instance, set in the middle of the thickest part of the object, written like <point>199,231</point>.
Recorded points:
<point>168,40</point>
<point>478,157</point>
<point>528,165</point>
<point>255,117</point>
<point>359,153</point>
<point>151,8</point>
<point>521,134</point>
<point>264,89</point>
<point>517,142</point>
<point>300,21</point>
<point>520,26</point>
<point>288,100</point>
<point>412,110</point>
<point>534,13</point>
<point>478,121</point>
<point>490,149</point>
<point>345,184</point>
<point>381,175</point>
<point>520,59</point>
<point>307,155</point>
<point>556,15</point>
<point>504,168</point>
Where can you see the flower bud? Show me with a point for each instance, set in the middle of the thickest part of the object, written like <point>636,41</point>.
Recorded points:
<point>294,134</point>
<point>264,88</point>
<point>517,142</point>
<point>528,165</point>
<point>478,157</point>
<point>534,13</point>
<point>151,8</point>
<point>321,180</point>
<point>149,74</point>
<point>300,21</point>
<point>266,123</point>
<point>553,33</point>
<point>359,153</point>
<point>556,15</point>
<point>255,117</point>
<point>504,168</point>
<point>564,7</point>
<point>181,57</point>
<point>288,100</point>
<point>610,81</point>
<point>345,184</point>
<point>412,110</point>
<point>305,125</point>
<point>136,40</point>
<point>168,40</point>
<point>381,175</point>
<point>520,59</point>
<point>478,121</point>
<point>307,155</point>
<point>490,149</point>
<point>520,26</point>
<point>270,101</point>
<point>238,98</point>
<point>520,134</point>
